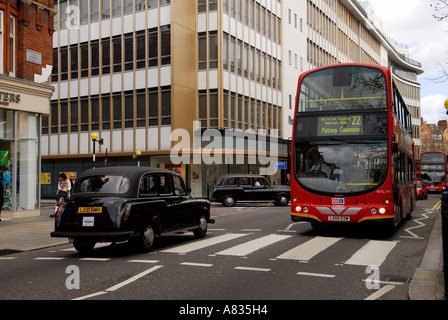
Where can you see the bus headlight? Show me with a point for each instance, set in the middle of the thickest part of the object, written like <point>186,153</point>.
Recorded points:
<point>298,208</point>
<point>382,210</point>
<point>305,209</point>
<point>373,211</point>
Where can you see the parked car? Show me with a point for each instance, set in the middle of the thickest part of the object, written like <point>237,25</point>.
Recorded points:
<point>233,188</point>
<point>129,203</point>
<point>422,191</point>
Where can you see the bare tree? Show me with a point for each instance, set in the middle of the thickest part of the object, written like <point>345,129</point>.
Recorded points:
<point>441,14</point>
<point>441,9</point>
<point>443,71</point>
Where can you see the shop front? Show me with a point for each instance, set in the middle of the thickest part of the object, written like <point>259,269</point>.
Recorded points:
<point>22,104</point>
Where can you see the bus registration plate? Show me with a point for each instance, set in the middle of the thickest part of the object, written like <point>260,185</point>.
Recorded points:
<point>338,218</point>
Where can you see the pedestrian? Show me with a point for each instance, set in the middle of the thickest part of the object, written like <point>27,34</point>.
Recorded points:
<point>72,181</point>
<point>6,179</point>
<point>64,187</point>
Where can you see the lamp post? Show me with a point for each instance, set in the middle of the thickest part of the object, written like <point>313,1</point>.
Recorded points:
<point>94,137</point>
<point>137,156</point>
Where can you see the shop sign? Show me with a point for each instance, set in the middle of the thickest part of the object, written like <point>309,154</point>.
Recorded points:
<point>8,97</point>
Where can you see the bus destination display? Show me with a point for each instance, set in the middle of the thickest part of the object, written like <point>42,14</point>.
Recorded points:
<point>339,125</point>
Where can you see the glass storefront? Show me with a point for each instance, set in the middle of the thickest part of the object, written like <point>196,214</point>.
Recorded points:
<point>20,159</point>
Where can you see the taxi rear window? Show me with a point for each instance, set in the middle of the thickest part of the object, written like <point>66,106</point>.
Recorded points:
<point>102,184</point>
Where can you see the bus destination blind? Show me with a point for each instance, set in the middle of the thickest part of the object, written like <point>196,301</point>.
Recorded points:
<point>339,125</point>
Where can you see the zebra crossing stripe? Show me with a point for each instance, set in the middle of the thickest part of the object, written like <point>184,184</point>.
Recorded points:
<point>309,249</point>
<point>204,243</point>
<point>254,245</point>
<point>372,254</point>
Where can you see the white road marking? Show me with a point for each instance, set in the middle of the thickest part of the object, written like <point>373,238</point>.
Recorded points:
<point>144,261</point>
<point>316,274</point>
<point>120,285</point>
<point>204,243</point>
<point>309,249</point>
<point>251,246</point>
<point>134,278</point>
<point>253,269</point>
<point>420,225</point>
<point>49,258</point>
<point>94,259</point>
<point>372,254</point>
<point>90,295</point>
<point>8,258</point>
<point>380,292</point>
<point>194,264</point>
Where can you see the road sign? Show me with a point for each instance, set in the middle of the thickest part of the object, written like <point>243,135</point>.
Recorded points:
<point>281,165</point>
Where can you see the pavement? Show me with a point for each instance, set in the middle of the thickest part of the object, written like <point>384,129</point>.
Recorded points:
<point>33,233</point>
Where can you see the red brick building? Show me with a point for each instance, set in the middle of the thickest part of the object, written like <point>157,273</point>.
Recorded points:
<point>434,137</point>
<point>26,58</point>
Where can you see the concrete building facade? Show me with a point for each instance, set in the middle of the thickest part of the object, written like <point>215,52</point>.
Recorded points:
<point>144,74</point>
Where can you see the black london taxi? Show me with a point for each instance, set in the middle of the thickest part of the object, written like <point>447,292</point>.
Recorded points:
<point>232,188</point>
<point>138,204</point>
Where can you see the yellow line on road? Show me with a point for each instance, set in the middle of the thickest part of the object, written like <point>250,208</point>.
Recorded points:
<point>438,205</point>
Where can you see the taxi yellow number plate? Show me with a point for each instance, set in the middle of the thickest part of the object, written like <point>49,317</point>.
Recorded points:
<point>90,209</point>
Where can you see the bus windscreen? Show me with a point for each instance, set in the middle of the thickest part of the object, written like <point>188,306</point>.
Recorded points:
<point>343,88</point>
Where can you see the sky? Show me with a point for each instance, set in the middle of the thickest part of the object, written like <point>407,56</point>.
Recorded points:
<point>411,22</point>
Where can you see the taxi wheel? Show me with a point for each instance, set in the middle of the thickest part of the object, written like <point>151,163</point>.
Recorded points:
<point>228,201</point>
<point>147,239</point>
<point>281,201</point>
<point>83,246</point>
<point>202,230</point>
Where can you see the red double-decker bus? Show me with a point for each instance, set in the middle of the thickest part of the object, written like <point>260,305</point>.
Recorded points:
<point>352,153</point>
<point>434,170</point>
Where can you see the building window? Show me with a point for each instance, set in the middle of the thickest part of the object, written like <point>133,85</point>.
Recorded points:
<point>166,105</point>
<point>141,109</point>
<point>202,5</point>
<point>128,52</point>
<point>95,113</point>
<point>106,56</point>
<point>152,4</point>
<point>74,116</point>
<point>165,35</point>
<point>152,51</point>
<point>213,109</point>
<point>84,60</point>
<point>212,5</point>
<point>73,62</point>
<point>84,114</point>
<point>116,41</point>
<point>105,9</point>
<point>64,116</point>
<point>153,105</point>
<point>12,46</point>
<point>117,111</point>
<point>225,48</point>
<point>116,8</point>
<point>202,50</point>
<point>203,108</point>
<point>64,64</point>
<point>84,11</point>
<point>94,11</point>
<point>129,110</point>
<point>54,117</point>
<point>213,50</point>
<point>105,114</point>
<point>95,56</point>
<point>140,44</point>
